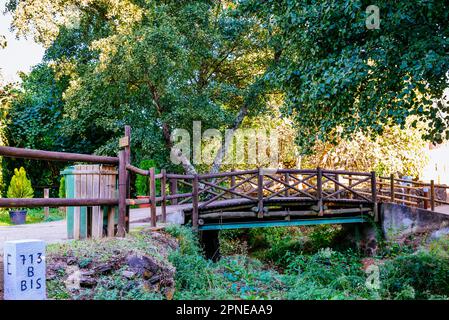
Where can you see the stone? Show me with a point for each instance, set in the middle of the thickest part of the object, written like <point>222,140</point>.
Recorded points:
<point>169,293</point>
<point>128,274</point>
<point>154,279</point>
<point>24,270</point>
<point>437,234</point>
<point>143,265</point>
<point>104,268</point>
<point>87,282</point>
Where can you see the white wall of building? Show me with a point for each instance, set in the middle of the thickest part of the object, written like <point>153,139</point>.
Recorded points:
<point>438,167</point>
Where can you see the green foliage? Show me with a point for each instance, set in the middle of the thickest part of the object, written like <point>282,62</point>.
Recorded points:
<point>416,276</point>
<point>325,274</point>
<point>233,277</point>
<point>322,236</point>
<point>149,68</point>
<point>35,120</point>
<point>340,77</point>
<point>157,66</point>
<point>61,192</point>
<point>142,183</point>
<point>117,288</point>
<point>328,275</point>
<point>20,186</point>
<point>57,290</point>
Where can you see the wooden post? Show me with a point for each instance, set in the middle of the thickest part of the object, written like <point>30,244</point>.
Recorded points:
<point>173,185</point>
<point>374,195</point>
<point>163,195</point>
<point>287,182</point>
<point>350,195</point>
<point>195,186</point>
<point>426,196</point>
<point>392,195</point>
<point>337,187</point>
<point>46,196</point>
<point>110,185</point>
<point>153,197</point>
<point>407,191</point>
<point>260,194</point>
<point>319,186</point>
<point>121,228</point>
<point>128,176</point>
<point>232,183</point>
<point>432,195</point>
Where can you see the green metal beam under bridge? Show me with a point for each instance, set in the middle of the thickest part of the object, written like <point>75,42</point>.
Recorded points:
<point>282,223</point>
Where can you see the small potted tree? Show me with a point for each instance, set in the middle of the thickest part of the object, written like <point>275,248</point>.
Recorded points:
<point>142,182</point>
<point>19,187</point>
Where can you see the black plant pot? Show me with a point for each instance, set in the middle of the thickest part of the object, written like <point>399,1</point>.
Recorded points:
<point>18,216</point>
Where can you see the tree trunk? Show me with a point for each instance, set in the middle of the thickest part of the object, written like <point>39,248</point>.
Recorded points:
<point>225,146</point>
<point>185,162</point>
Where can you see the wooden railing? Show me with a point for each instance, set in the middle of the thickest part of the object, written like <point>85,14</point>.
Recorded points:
<point>426,195</point>
<point>206,192</point>
<point>46,202</point>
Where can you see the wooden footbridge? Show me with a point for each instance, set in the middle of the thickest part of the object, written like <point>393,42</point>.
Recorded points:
<point>261,198</point>
<point>237,199</point>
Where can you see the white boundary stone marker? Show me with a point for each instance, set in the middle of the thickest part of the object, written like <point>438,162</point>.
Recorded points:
<point>24,270</point>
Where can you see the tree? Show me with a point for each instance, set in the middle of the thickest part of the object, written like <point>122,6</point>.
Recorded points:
<point>34,118</point>
<point>157,66</point>
<point>397,151</point>
<point>340,77</point>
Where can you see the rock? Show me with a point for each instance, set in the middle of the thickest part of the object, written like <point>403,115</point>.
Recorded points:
<point>71,260</point>
<point>169,293</point>
<point>104,268</point>
<point>87,282</point>
<point>143,265</point>
<point>128,274</point>
<point>154,279</point>
<point>438,234</point>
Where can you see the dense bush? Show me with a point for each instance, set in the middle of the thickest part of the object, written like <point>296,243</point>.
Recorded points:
<point>142,184</point>
<point>416,276</point>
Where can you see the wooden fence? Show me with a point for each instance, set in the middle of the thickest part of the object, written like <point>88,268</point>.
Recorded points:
<point>426,195</point>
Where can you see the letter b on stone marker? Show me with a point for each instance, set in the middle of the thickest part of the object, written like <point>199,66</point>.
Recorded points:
<point>24,270</point>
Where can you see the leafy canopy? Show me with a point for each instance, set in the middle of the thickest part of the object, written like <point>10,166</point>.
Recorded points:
<point>340,77</point>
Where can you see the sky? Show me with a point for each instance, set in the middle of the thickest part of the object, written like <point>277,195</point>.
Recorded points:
<point>20,54</point>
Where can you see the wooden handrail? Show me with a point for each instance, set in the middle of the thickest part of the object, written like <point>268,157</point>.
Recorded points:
<point>55,156</point>
<point>55,202</point>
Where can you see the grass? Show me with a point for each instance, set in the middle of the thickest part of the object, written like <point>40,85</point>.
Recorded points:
<point>35,215</point>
